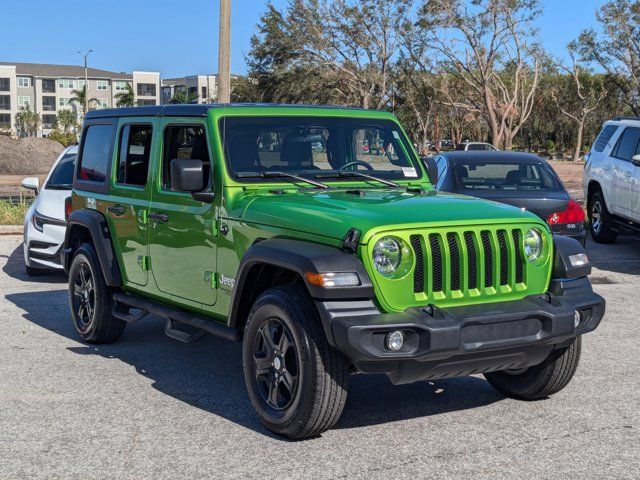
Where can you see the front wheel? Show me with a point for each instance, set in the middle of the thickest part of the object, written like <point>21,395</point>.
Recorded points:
<point>296,381</point>
<point>542,380</point>
<point>600,220</point>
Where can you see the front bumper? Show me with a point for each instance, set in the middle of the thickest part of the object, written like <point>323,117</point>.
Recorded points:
<point>459,341</point>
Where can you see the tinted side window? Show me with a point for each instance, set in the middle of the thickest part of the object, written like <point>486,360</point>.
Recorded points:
<point>62,175</point>
<point>604,137</point>
<point>133,158</point>
<point>94,163</point>
<point>185,141</point>
<point>627,144</point>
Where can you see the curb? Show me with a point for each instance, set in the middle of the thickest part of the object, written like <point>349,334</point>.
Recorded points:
<point>11,229</point>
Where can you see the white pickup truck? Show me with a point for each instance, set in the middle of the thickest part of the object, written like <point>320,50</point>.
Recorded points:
<point>611,180</point>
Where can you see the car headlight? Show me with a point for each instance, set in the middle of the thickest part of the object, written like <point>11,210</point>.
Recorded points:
<point>391,257</point>
<point>532,245</point>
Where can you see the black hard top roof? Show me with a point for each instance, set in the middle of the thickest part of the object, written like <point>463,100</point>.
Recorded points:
<point>480,156</point>
<point>189,110</point>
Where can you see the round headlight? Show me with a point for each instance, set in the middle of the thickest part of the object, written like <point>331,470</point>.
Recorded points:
<point>387,255</point>
<point>533,245</point>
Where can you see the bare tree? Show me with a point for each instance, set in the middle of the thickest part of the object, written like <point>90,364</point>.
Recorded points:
<point>616,48</point>
<point>581,100</point>
<point>487,45</point>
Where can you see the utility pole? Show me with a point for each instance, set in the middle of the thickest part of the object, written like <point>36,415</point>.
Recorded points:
<point>86,82</point>
<point>224,53</point>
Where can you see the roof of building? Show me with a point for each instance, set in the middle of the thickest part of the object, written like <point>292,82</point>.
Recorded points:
<point>196,110</point>
<point>56,71</point>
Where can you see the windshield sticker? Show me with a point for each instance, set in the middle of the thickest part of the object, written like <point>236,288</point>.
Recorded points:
<point>409,172</point>
<point>396,135</point>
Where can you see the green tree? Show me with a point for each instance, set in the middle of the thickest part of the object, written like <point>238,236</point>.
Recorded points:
<point>78,96</point>
<point>68,121</point>
<point>126,98</point>
<point>182,95</point>
<point>27,122</point>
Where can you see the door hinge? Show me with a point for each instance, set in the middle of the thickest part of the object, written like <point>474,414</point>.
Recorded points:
<point>144,262</point>
<point>211,278</point>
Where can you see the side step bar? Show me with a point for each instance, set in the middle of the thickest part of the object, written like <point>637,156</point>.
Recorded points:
<point>174,318</point>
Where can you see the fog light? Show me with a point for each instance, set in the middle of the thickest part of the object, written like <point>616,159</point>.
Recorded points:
<point>576,318</point>
<point>395,340</point>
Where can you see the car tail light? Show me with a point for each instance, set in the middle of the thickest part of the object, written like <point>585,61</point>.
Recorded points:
<point>68,208</point>
<point>574,213</point>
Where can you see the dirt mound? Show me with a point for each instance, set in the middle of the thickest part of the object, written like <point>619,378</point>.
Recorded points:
<point>27,156</point>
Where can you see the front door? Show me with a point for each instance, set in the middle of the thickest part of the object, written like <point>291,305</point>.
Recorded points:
<point>128,204</point>
<point>182,243</point>
<point>625,174</point>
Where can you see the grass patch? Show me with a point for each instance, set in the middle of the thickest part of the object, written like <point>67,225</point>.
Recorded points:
<point>12,214</point>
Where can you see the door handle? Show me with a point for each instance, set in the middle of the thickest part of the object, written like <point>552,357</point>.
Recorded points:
<point>117,210</point>
<point>160,217</point>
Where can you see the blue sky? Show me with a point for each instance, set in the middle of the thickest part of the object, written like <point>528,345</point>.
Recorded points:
<point>178,38</point>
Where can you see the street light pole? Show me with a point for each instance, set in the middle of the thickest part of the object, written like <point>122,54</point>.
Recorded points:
<point>86,81</point>
<point>224,53</point>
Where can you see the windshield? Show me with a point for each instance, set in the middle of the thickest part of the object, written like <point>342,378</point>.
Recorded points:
<point>316,147</point>
<point>62,175</point>
<point>473,175</point>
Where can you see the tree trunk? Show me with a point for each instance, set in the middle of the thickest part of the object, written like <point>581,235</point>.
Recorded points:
<point>576,153</point>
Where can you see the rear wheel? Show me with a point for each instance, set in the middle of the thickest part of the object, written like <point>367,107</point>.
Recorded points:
<point>91,300</point>
<point>600,221</point>
<point>296,381</point>
<point>542,380</point>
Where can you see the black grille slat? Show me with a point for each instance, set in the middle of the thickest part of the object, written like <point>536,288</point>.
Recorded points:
<point>504,257</point>
<point>418,274</point>
<point>488,258</point>
<point>454,262</point>
<point>472,265</point>
<point>519,256</point>
<point>436,262</point>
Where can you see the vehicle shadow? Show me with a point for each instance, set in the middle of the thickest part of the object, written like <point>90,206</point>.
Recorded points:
<point>208,374</point>
<point>623,256</point>
<point>15,268</point>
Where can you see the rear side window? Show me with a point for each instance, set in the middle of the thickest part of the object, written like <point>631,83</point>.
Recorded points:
<point>94,163</point>
<point>135,150</point>
<point>604,137</point>
<point>628,144</point>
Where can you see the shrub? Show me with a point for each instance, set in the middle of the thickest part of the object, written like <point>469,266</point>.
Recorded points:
<point>549,145</point>
<point>12,214</point>
<point>65,139</point>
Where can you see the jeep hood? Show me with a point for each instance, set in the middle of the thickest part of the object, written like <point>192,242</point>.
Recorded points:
<point>332,213</point>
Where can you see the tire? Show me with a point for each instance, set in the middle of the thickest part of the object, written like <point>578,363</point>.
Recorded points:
<point>539,381</point>
<point>91,300</point>
<point>600,220</point>
<point>299,387</point>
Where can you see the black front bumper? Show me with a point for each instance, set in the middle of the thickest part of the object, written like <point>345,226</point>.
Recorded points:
<point>466,340</point>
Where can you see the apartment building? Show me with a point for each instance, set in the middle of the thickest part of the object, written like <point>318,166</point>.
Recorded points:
<point>47,89</point>
<point>197,88</point>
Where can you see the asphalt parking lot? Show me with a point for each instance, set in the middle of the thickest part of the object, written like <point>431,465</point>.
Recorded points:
<point>150,407</point>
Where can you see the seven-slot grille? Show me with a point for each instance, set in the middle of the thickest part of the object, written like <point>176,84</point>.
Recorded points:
<point>461,261</point>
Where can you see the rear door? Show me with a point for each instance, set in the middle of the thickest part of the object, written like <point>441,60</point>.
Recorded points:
<point>626,175</point>
<point>136,143</point>
<point>182,243</point>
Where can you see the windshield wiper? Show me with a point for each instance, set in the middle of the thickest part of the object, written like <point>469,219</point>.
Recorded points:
<point>281,175</point>
<point>345,174</point>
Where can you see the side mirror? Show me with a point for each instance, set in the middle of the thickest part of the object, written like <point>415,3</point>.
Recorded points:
<point>636,160</point>
<point>186,175</point>
<point>432,170</point>
<point>31,183</point>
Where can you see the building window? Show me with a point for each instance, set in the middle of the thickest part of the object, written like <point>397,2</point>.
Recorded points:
<point>204,93</point>
<point>81,84</point>
<point>5,120</point>
<point>4,84</point>
<point>49,104</point>
<point>49,121</point>
<point>48,85</point>
<point>24,82</point>
<point>120,86</point>
<point>24,101</point>
<point>64,102</point>
<point>66,83</point>
<point>147,89</point>
<point>102,84</point>
<point>5,102</point>
<point>146,103</point>
<point>102,103</point>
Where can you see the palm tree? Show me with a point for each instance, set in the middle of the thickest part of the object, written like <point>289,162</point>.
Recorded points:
<point>78,97</point>
<point>27,122</point>
<point>183,96</point>
<point>67,120</point>
<point>126,98</point>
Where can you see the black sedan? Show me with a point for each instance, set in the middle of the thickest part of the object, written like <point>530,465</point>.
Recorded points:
<point>520,179</point>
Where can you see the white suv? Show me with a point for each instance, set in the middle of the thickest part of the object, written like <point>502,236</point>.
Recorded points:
<point>611,180</point>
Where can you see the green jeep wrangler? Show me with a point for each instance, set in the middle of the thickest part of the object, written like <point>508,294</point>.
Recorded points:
<point>313,235</point>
